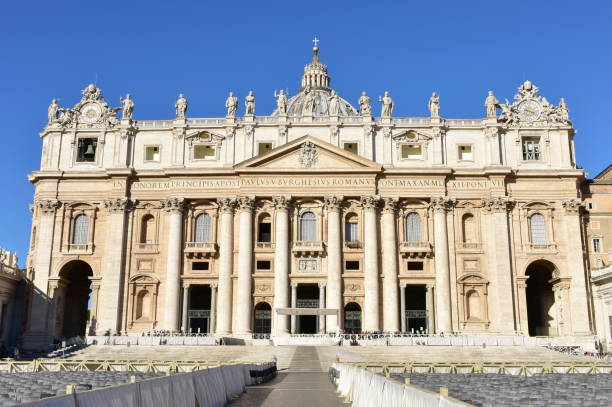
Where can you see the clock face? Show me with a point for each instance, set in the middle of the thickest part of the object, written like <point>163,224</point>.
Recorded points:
<point>91,113</point>
<point>529,110</point>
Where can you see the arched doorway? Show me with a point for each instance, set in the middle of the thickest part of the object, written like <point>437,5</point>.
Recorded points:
<point>74,303</point>
<point>352,318</point>
<point>540,299</point>
<point>263,318</point>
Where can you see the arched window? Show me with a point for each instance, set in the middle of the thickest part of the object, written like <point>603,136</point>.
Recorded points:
<point>537,228</point>
<point>412,227</point>
<point>147,229</point>
<point>143,304</point>
<point>202,228</point>
<point>468,228</point>
<point>351,231</point>
<point>264,229</point>
<point>80,230</point>
<point>308,227</point>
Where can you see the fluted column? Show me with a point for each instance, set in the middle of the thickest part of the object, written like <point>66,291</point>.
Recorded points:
<point>389,266</point>
<point>334,262</point>
<point>440,205</point>
<point>245,266</point>
<point>429,305</point>
<point>281,263</point>
<point>113,269</point>
<point>293,305</point>
<point>370,249</point>
<point>185,321</point>
<point>213,307</point>
<point>403,306</point>
<point>579,310</point>
<point>226,261</point>
<point>321,305</point>
<point>174,207</point>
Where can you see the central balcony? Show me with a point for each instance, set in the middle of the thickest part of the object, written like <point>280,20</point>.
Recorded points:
<point>308,248</point>
<point>74,248</point>
<point>200,249</point>
<point>415,249</point>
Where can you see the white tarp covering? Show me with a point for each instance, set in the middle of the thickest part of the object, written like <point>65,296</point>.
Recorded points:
<point>119,396</point>
<point>183,392</point>
<point>61,401</point>
<point>157,392</point>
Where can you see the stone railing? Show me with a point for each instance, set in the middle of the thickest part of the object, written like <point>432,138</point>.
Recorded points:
<point>200,249</point>
<point>307,303</point>
<point>304,247</point>
<point>541,248</point>
<point>470,246</point>
<point>264,245</point>
<point>80,248</point>
<point>352,245</point>
<point>146,247</point>
<point>415,249</point>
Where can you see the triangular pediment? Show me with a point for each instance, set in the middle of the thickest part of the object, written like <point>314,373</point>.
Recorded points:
<point>308,154</point>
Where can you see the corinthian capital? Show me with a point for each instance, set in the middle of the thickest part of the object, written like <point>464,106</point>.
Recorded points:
<point>389,204</point>
<point>572,206</point>
<point>281,203</point>
<point>173,205</point>
<point>117,205</point>
<point>498,204</point>
<point>245,203</point>
<point>333,202</point>
<point>369,202</point>
<point>441,203</point>
<point>226,204</point>
<point>48,206</point>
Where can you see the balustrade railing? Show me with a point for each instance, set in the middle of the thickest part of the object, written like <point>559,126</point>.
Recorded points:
<point>474,246</point>
<point>80,248</point>
<point>542,247</point>
<point>353,245</point>
<point>307,303</point>
<point>147,246</point>
<point>264,245</point>
<point>207,246</point>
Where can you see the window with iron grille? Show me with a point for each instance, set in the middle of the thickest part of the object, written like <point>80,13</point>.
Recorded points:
<point>531,148</point>
<point>537,226</point>
<point>86,150</point>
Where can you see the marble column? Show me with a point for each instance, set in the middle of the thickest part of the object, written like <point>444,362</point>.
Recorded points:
<point>40,323</point>
<point>389,266</point>
<point>429,305</point>
<point>440,206</point>
<point>334,262</point>
<point>293,305</point>
<point>523,323</point>
<point>322,305</point>
<point>281,263</point>
<point>245,266</point>
<point>402,310</point>
<point>579,311</point>
<point>213,308</point>
<point>370,249</point>
<point>185,321</point>
<point>174,207</point>
<point>226,261</point>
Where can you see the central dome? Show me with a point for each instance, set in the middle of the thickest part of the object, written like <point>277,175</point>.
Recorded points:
<point>313,98</point>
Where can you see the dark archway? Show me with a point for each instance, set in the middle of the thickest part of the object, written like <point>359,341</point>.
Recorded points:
<point>263,318</point>
<point>540,299</point>
<point>199,309</point>
<point>352,318</point>
<point>307,297</point>
<point>74,306</point>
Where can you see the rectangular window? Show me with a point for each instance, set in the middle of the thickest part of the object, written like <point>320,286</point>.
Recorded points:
<point>351,232</point>
<point>590,205</point>
<point>264,265</point>
<point>412,151</point>
<point>203,152</point>
<point>351,147</point>
<point>199,265</point>
<point>531,149</point>
<point>152,153</point>
<point>597,245</point>
<point>86,150</point>
<point>465,153</point>
<point>264,148</point>
<point>351,265</point>
<point>265,233</point>
<point>415,266</point>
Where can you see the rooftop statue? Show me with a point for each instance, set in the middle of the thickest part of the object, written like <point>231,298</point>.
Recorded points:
<point>231,103</point>
<point>249,102</point>
<point>127,106</point>
<point>563,110</point>
<point>491,105</point>
<point>281,102</point>
<point>365,107</point>
<point>434,105</point>
<point>309,102</point>
<point>387,105</point>
<point>91,92</point>
<point>334,104</point>
<point>181,106</point>
<point>52,112</point>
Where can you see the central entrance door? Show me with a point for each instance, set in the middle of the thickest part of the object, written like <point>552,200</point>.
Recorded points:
<point>416,309</point>
<point>307,297</point>
<point>199,309</point>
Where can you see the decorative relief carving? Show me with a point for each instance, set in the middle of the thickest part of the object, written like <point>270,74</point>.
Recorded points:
<point>333,202</point>
<point>334,131</point>
<point>572,206</point>
<point>282,202</point>
<point>229,132</point>
<point>118,205</point>
<point>389,204</point>
<point>173,205</point>
<point>245,203</point>
<point>226,204</point>
<point>48,206</point>
<point>308,155</point>
<point>441,203</point>
<point>498,204</point>
<point>263,288</point>
<point>249,130</point>
<point>308,265</point>
<point>369,202</point>
<point>531,109</point>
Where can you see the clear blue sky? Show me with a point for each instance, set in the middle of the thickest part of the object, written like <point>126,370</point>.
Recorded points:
<point>154,50</point>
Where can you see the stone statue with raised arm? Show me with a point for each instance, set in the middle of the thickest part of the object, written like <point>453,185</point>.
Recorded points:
<point>281,102</point>
<point>387,105</point>
<point>563,110</point>
<point>52,112</point>
<point>309,102</point>
<point>181,106</point>
<point>491,104</point>
<point>434,105</point>
<point>231,103</point>
<point>334,104</point>
<point>128,107</point>
<point>249,102</point>
<point>365,107</point>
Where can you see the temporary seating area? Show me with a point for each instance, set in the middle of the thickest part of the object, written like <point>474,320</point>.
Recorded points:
<point>97,384</point>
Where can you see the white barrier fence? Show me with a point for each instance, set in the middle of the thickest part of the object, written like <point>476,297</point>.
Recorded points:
<point>212,387</point>
<point>366,389</point>
<point>152,340</point>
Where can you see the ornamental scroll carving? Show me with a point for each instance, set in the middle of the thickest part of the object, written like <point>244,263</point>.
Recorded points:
<point>308,155</point>
<point>48,206</point>
<point>245,203</point>
<point>333,202</point>
<point>572,206</point>
<point>441,203</point>
<point>173,205</point>
<point>369,202</point>
<point>118,205</point>
<point>226,204</point>
<point>498,204</point>
<point>281,203</point>
<point>389,204</point>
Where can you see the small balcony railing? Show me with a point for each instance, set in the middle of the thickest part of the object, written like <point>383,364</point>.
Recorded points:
<point>416,249</point>
<point>146,247</point>
<point>314,247</point>
<point>356,244</point>
<point>80,248</point>
<point>307,303</point>
<point>200,249</point>
<point>264,245</point>
<point>469,246</point>
<point>541,248</point>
